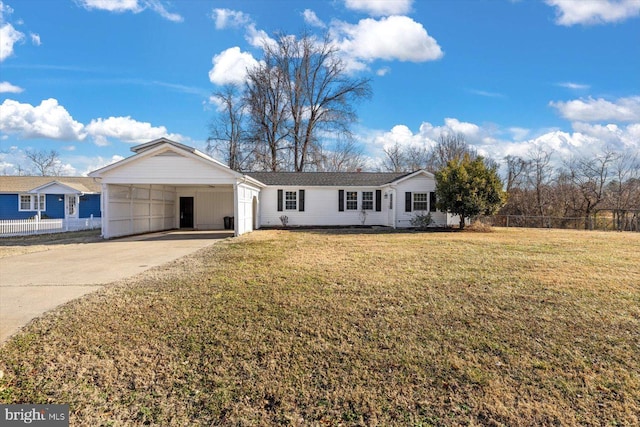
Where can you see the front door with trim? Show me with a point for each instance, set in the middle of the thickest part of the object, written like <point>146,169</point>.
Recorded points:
<point>70,206</point>
<point>186,212</point>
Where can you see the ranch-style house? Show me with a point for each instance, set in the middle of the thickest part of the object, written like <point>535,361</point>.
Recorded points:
<point>167,185</point>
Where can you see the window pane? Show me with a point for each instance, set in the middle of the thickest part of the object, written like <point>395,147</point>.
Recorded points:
<point>352,200</point>
<point>420,201</point>
<point>25,203</point>
<point>42,199</point>
<point>290,199</point>
<point>367,200</point>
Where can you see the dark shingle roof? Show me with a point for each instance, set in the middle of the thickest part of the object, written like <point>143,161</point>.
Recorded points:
<point>19,184</point>
<point>331,179</point>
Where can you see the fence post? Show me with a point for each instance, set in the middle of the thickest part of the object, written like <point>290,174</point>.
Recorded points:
<point>507,221</point>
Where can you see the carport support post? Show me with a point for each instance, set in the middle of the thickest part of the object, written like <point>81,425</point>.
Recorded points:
<point>104,205</point>
<point>235,209</point>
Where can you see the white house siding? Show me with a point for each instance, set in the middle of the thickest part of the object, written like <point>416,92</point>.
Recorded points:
<point>210,205</point>
<point>137,208</point>
<point>321,208</point>
<point>169,167</point>
<point>416,184</point>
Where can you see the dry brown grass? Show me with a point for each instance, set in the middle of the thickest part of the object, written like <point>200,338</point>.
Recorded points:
<point>514,327</point>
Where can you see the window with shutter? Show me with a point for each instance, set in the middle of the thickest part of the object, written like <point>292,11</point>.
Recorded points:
<point>420,201</point>
<point>367,200</point>
<point>290,200</point>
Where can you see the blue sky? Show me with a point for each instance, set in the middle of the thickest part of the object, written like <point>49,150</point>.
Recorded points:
<point>91,78</point>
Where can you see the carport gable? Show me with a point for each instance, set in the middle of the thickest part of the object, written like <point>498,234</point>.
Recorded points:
<point>168,163</point>
<point>149,191</point>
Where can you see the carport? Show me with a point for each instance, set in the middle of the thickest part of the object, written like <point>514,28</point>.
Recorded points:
<point>167,185</point>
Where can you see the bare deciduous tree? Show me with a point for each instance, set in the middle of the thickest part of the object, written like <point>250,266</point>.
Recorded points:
<point>394,158</point>
<point>516,170</point>
<point>227,132</point>
<point>623,193</point>
<point>301,89</point>
<point>449,147</point>
<point>345,156</point>
<point>539,176</point>
<point>268,109</point>
<point>45,163</point>
<point>590,176</point>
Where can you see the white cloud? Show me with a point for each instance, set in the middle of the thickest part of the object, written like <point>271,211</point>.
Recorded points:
<point>486,94</point>
<point>227,18</point>
<point>50,120</point>
<point>9,36</point>
<point>379,7</point>
<point>6,87</point>
<point>113,5</point>
<point>89,164</point>
<point>35,39</point>
<point>126,129</point>
<point>489,140</point>
<point>592,12</point>
<point>383,71</point>
<point>593,110</point>
<point>134,6</point>
<point>393,38</point>
<point>4,8</point>
<point>230,66</point>
<point>47,120</point>
<point>519,133</point>
<point>310,18</point>
<point>574,86</point>
<point>257,38</point>
<point>160,9</point>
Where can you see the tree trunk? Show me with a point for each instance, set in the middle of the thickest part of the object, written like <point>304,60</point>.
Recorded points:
<point>461,222</point>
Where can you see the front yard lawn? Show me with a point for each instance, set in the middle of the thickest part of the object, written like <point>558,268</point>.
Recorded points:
<point>514,327</point>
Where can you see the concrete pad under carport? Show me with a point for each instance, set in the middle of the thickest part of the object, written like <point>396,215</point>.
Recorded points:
<point>34,283</point>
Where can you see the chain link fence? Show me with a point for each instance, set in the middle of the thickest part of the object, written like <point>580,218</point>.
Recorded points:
<point>603,221</point>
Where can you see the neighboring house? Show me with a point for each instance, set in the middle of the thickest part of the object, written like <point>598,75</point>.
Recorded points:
<point>168,185</point>
<point>65,197</point>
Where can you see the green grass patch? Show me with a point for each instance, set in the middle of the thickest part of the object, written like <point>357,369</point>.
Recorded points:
<point>514,327</point>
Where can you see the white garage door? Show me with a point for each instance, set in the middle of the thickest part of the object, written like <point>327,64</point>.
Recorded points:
<point>134,209</point>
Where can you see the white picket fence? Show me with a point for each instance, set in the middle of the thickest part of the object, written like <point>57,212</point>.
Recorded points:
<point>23,227</point>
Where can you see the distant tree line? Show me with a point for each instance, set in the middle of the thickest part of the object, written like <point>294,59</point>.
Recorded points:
<point>540,188</point>
<point>293,113</point>
<point>582,187</point>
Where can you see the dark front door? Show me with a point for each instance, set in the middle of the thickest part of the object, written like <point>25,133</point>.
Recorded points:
<point>186,212</point>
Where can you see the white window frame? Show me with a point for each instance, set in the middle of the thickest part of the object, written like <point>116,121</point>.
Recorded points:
<point>33,203</point>
<point>347,200</point>
<point>424,202</point>
<point>290,203</point>
<point>367,204</point>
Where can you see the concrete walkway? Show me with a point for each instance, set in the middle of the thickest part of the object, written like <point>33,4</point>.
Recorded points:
<point>34,283</point>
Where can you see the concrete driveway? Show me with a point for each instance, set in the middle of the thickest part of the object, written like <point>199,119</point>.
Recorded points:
<point>34,283</point>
